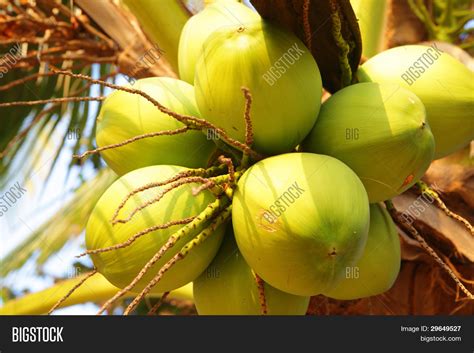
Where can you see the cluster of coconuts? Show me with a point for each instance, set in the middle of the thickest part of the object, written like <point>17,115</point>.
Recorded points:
<point>302,218</point>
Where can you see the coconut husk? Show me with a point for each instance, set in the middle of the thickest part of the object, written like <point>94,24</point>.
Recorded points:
<point>318,33</point>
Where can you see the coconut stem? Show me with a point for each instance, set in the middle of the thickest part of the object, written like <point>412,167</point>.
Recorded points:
<point>223,147</point>
<point>248,125</point>
<point>209,184</point>
<point>212,182</point>
<point>184,181</point>
<point>261,294</point>
<point>138,235</point>
<point>412,230</point>
<point>199,239</point>
<point>419,9</point>
<point>210,211</point>
<point>160,302</point>
<point>230,166</point>
<point>425,189</point>
<point>52,100</point>
<point>134,139</point>
<point>192,172</point>
<point>188,120</point>
<point>248,120</point>
<point>81,282</point>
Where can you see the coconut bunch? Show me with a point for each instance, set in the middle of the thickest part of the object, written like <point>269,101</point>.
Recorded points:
<point>237,179</point>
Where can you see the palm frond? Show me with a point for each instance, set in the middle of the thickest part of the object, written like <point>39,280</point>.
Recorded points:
<point>74,123</point>
<point>68,222</point>
<point>35,36</point>
<point>97,39</point>
<point>96,289</point>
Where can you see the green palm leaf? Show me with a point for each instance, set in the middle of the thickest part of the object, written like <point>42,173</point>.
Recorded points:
<point>95,289</point>
<point>68,222</point>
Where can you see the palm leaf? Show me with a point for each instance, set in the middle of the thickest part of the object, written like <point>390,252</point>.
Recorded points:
<point>95,289</point>
<point>63,40</point>
<point>76,118</point>
<point>68,222</point>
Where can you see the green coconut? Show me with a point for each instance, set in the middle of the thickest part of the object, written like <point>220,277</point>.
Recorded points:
<point>217,15</point>
<point>444,85</point>
<point>280,73</point>
<point>125,115</point>
<point>380,131</point>
<point>121,266</point>
<point>299,220</point>
<point>229,287</point>
<point>379,265</point>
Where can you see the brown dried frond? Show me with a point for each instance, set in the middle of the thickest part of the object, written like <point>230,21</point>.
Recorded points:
<point>410,229</point>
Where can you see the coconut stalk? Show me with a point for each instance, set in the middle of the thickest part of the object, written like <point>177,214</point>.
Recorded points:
<point>445,20</point>
<point>162,21</point>
<point>96,289</point>
<point>372,17</point>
